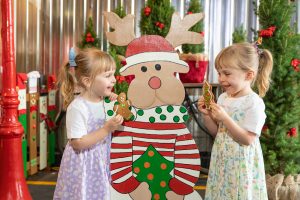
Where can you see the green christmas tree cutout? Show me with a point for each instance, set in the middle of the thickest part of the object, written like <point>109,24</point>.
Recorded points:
<point>154,169</point>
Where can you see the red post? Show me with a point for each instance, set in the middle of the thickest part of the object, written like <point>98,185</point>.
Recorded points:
<point>12,180</point>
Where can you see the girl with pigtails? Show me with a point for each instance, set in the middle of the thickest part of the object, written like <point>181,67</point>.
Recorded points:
<point>85,168</point>
<point>236,120</point>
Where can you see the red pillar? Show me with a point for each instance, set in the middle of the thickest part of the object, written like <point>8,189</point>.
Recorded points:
<point>12,180</point>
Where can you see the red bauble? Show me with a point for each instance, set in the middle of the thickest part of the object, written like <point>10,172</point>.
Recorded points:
<point>161,25</point>
<point>147,11</point>
<point>88,34</point>
<point>295,63</point>
<point>189,12</point>
<point>265,128</point>
<point>89,37</point>
<point>292,132</point>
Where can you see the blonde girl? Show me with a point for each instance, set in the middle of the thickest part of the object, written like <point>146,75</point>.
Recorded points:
<point>236,120</point>
<point>84,171</point>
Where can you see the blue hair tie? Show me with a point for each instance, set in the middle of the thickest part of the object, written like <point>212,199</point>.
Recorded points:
<point>72,56</point>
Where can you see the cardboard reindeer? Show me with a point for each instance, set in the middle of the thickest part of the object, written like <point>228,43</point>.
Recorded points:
<point>154,155</point>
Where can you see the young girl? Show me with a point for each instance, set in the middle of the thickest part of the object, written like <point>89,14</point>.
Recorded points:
<point>84,171</point>
<point>237,167</point>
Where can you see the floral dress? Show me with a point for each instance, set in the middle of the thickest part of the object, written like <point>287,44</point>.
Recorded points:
<point>85,175</point>
<point>236,171</point>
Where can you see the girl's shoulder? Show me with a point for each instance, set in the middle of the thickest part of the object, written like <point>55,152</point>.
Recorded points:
<point>246,101</point>
<point>77,104</point>
<point>255,99</point>
<point>222,97</point>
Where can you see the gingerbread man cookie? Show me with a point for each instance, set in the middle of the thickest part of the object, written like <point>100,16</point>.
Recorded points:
<point>207,94</point>
<point>123,107</point>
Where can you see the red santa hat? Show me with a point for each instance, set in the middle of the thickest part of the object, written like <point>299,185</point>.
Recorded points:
<point>21,80</point>
<point>150,48</point>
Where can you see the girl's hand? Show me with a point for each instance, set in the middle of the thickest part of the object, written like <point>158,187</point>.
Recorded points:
<point>201,106</point>
<point>113,124</point>
<point>113,96</point>
<point>218,113</point>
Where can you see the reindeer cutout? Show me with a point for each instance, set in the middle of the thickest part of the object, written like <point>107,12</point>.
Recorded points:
<point>154,156</point>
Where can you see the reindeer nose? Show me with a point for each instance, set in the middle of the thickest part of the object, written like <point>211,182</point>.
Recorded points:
<point>154,82</point>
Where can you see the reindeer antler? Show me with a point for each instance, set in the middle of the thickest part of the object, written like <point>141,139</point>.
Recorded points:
<point>179,31</point>
<point>124,29</point>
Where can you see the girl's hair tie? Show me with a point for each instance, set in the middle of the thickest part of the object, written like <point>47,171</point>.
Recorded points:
<point>72,56</point>
<point>256,44</point>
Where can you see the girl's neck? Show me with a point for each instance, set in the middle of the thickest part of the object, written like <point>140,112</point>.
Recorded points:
<point>242,93</point>
<point>89,97</point>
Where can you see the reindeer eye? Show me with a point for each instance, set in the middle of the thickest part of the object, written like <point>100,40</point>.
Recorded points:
<point>144,69</point>
<point>157,67</point>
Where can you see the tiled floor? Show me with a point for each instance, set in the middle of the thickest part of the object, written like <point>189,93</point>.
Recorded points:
<point>42,184</point>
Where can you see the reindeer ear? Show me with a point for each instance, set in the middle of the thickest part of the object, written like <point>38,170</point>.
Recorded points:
<point>180,68</point>
<point>179,31</point>
<point>123,32</point>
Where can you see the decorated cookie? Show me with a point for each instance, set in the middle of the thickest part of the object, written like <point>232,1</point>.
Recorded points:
<point>207,94</point>
<point>122,107</point>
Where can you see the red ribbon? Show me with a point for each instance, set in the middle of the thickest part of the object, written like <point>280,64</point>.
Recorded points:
<point>21,112</point>
<point>120,79</point>
<point>50,108</point>
<point>50,124</point>
<point>267,32</point>
<point>33,108</point>
<point>51,82</point>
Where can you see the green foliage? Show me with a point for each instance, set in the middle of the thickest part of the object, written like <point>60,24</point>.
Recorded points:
<point>239,35</point>
<point>120,86</point>
<point>195,7</point>
<point>120,50</point>
<point>161,12</point>
<point>89,31</point>
<point>281,152</point>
